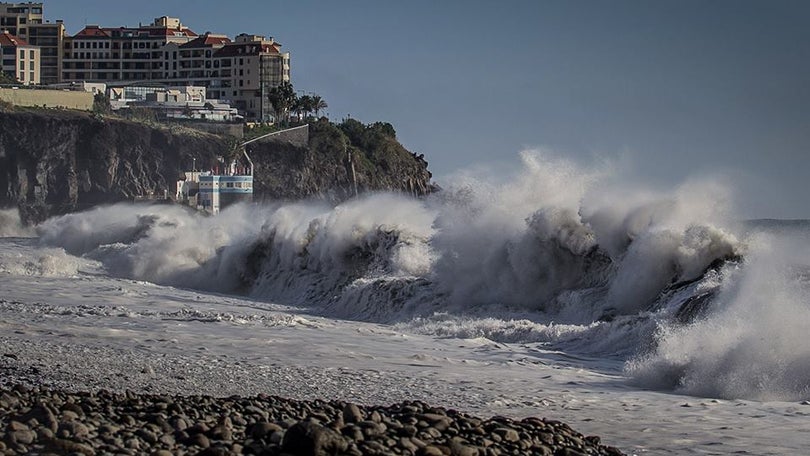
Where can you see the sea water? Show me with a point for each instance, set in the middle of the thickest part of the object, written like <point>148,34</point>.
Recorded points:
<point>656,319</point>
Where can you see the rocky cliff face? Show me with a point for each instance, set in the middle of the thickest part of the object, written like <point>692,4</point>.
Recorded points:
<point>53,162</point>
<point>336,166</point>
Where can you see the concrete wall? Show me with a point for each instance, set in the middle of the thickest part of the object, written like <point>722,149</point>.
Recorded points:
<point>48,98</point>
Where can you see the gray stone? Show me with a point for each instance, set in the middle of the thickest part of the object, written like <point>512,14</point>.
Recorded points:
<point>260,430</point>
<point>23,436</point>
<point>73,429</point>
<point>508,434</point>
<point>352,414</point>
<point>308,438</point>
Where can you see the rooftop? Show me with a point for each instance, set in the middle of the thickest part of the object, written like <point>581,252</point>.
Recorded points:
<point>7,39</point>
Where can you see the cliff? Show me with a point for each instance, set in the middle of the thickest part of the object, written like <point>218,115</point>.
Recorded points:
<point>57,161</point>
<point>339,161</point>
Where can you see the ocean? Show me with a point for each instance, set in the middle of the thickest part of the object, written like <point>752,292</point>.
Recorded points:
<point>655,319</point>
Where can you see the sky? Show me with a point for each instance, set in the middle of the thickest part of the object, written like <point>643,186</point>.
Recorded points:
<point>670,89</point>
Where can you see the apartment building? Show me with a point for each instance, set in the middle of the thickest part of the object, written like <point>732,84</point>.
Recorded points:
<point>247,69</point>
<point>20,59</point>
<point>102,54</point>
<point>25,21</point>
<point>49,37</point>
<point>240,72</point>
<point>17,17</point>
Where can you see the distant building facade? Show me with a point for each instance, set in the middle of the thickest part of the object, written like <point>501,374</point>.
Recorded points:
<point>175,102</point>
<point>239,72</point>
<point>25,21</point>
<point>20,59</point>
<point>17,17</point>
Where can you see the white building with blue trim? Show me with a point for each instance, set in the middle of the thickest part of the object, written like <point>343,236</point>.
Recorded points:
<point>211,191</point>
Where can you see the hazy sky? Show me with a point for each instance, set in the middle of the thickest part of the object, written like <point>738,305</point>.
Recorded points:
<point>674,88</point>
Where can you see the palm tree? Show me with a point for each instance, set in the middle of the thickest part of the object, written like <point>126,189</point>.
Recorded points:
<point>282,98</point>
<point>305,104</point>
<point>318,103</point>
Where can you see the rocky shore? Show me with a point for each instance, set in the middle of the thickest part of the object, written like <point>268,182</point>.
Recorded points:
<point>41,421</point>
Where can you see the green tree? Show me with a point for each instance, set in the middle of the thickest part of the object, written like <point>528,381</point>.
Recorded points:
<point>6,78</point>
<point>318,103</point>
<point>283,99</point>
<point>305,102</point>
<point>302,106</point>
<point>101,104</point>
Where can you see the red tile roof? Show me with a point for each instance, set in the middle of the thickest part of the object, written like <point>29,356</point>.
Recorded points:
<point>206,41</point>
<point>7,39</point>
<point>235,50</point>
<point>166,31</point>
<point>94,31</point>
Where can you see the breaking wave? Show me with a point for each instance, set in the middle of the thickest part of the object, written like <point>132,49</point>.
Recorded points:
<point>559,255</point>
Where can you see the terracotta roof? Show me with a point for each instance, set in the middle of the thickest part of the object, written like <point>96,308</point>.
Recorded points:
<point>206,41</point>
<point>235,50</point>
<point>7,39</point>
<point>91,31</point>
<point>166,31</point>
<point>94,31</point>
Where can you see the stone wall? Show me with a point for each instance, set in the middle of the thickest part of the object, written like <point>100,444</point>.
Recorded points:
<point>69,99</point>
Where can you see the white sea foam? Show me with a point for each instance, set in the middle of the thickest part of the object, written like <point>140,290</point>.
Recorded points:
<point>753,344</point>
<point>557,255</point>
<point>520,297</point>
<point>12,226</point>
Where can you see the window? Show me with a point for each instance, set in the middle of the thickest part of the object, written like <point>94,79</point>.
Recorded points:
<point>22,54</point>
<point>230,185</point>
<point>31,76</point>
<point>31,54</point>
<point>22,65</point>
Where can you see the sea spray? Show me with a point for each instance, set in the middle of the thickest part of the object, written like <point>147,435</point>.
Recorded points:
<point>752,344</point>
<point>556,256</point>
<point>11,225</point>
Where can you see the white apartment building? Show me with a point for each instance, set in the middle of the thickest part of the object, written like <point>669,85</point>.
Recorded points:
<point>241,72</point>
<point>20,59</point>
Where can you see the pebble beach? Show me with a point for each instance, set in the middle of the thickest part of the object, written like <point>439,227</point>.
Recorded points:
<point>42,421</point>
